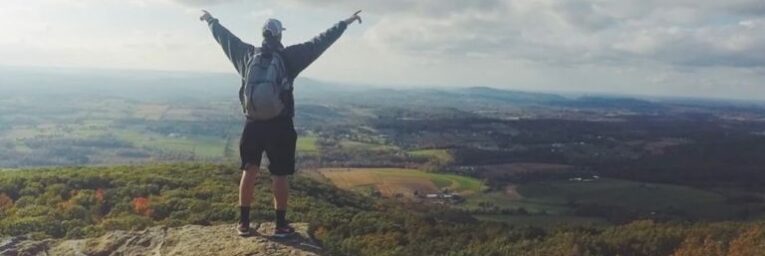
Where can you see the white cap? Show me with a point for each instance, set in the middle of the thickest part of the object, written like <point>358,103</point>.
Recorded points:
<point>273,26</point>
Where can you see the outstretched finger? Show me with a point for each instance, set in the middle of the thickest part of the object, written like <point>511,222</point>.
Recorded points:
<point>357,12</point>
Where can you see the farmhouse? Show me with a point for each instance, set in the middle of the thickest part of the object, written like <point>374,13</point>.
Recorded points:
<point>444,197</point>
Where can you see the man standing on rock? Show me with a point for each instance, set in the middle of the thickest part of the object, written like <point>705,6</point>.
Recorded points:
<point>267,74</point>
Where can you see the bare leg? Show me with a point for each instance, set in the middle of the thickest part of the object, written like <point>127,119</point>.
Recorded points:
<point>281,191</point>
<point>246,185</point>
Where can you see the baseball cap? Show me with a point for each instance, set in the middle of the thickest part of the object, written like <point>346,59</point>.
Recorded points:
<point>274,27</point>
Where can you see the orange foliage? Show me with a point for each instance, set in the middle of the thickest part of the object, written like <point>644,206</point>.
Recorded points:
<point>320,232</point>
<point>100,195</point>
<point>698,246</point>
<point>5,202</point>
<point>141,205</point>
<point>750,242</point>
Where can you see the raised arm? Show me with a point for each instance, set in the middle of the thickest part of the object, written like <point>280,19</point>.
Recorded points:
<point>238,52</point>
<point>300,56</point>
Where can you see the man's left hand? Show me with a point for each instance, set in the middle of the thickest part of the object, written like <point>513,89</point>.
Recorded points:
<point>353,18</point>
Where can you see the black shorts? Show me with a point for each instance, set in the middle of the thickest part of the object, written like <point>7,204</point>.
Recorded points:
<point>277,138</point>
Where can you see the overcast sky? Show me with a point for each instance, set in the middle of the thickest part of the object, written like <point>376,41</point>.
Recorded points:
<point>709,48</point>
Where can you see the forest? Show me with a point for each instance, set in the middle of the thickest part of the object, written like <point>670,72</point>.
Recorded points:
<point>87,201</point>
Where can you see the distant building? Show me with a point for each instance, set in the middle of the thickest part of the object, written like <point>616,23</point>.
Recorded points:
<point>443,198</point>
<point>580,179</point>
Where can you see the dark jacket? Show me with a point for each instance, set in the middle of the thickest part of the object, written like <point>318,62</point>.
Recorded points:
<point>296,57</point>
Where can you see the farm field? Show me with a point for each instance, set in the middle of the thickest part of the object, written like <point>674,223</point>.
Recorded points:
<point>637,196</point>
<point>351,145</point>
<point>553,199</point>
<point>562,197</point>
<point>307,144</point>
<point>393,181</point>
<point>503,200</point>
<point>441,156</point>
<point>199,146</point>
<point>498,171</point>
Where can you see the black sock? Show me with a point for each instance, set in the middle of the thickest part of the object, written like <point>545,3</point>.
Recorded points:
<point>280,218</point>
<point>244,215</point>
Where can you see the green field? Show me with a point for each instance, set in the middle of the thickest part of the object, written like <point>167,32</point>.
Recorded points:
<point>502,201</point>
<point>626,194</point>
<point>307,144</point>
<point>212,147</point>
<point>363,146</point>
<point>559,198</point>
<point>441,156</point>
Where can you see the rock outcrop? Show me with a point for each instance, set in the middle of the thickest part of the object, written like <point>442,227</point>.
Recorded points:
<point>186,240</point>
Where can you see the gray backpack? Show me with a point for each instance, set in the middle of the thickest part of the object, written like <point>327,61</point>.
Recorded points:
<point>266,80</point>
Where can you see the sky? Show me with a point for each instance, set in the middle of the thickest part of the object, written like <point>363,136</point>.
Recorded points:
<point>691,48</point>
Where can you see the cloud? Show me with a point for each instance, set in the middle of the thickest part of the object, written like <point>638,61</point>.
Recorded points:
<point>683,33</point>
<point>197,3</point>
<point>438,8</point>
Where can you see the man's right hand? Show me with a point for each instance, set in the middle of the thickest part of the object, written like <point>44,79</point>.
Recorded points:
<point>206,16</point>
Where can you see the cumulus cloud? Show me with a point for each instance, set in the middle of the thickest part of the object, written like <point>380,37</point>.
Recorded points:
<point>565,32</point>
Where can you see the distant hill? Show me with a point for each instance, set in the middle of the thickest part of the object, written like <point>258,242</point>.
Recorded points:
<point>145,85</point>
<point>512,95</point>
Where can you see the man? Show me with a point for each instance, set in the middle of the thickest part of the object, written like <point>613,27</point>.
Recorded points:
<point>275,136</point>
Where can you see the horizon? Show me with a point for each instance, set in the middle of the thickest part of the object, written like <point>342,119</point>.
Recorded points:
<point>565,93</point>
<point>681,49</point>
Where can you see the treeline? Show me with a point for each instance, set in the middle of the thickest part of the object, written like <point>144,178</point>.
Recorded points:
<point>84,202</point>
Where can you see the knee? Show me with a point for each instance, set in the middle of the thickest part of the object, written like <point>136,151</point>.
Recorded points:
<point>251,168</point>
<point>279,179</point>
<point>250,171</point>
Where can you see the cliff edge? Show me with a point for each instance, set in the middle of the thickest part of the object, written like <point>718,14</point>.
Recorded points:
<point>186,240</point>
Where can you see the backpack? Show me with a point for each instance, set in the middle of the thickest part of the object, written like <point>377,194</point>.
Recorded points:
<point>265,81</point>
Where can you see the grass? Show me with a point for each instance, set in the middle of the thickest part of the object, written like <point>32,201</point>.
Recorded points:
<point>501,200</point>
<point>623,193</point>
<point>438,155</point>
<point>555,201</point>
<point>390,181</point>
<point>307,144</point>
<point>558,198</point>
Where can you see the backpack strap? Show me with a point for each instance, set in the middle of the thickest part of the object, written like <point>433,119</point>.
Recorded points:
<point>285,83</point>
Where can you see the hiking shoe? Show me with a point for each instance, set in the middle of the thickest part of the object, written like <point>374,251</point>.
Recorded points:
<point>243,230</point>
<point>282,232</point>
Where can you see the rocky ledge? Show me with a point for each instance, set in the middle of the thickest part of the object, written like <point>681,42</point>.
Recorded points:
<point>155,241</point>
